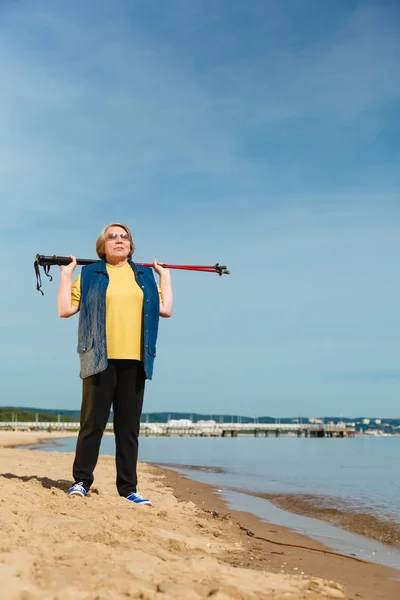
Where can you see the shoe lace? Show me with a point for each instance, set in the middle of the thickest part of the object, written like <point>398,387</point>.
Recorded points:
<point>79,486</point>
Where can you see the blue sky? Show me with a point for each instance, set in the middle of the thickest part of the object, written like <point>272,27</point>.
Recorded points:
<point>263,135</point>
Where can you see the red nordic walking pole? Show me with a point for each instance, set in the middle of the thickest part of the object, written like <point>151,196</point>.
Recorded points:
<point>48,261</point>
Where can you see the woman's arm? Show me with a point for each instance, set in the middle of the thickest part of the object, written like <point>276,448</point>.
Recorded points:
<point>65,307</point>
<point>165,288</point>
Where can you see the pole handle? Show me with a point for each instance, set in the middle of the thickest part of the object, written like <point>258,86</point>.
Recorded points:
<point>43,261</point>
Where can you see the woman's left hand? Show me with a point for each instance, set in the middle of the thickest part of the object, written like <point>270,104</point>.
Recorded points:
<point>159,269</point>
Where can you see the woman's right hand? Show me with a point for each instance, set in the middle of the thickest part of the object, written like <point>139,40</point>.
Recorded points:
<point>69,269</point>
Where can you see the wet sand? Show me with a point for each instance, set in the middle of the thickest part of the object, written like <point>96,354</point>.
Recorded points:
<point>276,548</point>
<point>188,545</point>
<point>340,513</point>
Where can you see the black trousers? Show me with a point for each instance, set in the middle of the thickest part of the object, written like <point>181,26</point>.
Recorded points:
<point>122,386</point>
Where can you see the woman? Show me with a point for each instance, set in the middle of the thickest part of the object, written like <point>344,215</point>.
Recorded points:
<point>119,306</point>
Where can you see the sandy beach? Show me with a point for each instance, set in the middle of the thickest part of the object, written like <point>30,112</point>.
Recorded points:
<point>187,545</point>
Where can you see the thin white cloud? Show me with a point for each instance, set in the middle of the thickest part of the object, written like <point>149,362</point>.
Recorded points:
<point>341,75</point>
<point>112,117</point>
<point>107,107</point>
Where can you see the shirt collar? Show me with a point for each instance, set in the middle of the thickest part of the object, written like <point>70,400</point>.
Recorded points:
<point>102,268</point>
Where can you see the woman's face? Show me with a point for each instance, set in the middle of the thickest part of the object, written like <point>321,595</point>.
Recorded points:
<point>117,244</point>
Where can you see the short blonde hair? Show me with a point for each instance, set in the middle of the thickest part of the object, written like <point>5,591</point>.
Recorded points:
<point>101,240</point>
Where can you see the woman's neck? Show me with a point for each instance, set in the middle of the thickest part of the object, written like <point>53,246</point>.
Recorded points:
<point>116,261</point>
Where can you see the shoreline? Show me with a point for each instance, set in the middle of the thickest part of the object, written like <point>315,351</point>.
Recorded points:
<point>267,548</point>
<point>339,513</point>
<point>342,524</point>
<point>343,514</point>
<point>280,545</point>
<point>347,525</point>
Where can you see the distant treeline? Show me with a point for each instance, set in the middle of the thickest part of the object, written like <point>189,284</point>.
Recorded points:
<point>16,413</point>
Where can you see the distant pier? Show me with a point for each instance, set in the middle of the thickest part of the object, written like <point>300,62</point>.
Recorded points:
<point>306,430</point>
<point>247,429</point>
<point>207,429</point>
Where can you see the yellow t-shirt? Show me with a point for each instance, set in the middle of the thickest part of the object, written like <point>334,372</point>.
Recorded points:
<point>124,307</point>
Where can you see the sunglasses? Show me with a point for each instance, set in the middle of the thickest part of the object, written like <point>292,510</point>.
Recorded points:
<point>113,236</point>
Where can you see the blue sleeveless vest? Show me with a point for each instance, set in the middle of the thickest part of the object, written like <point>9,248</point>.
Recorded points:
<point>92,344</point>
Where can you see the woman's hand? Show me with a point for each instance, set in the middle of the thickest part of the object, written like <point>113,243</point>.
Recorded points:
<point>165,289</point>
<point>159,269</point>
<point>69,269</point>
<point>65,306</point>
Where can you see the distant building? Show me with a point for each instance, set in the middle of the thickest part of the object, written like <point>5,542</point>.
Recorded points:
<point>180,422</point>
<point>378,421</point>
<point>314,420</point>
<point>366,421</point>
